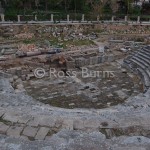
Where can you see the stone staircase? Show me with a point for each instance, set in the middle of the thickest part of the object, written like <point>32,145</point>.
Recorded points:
<point>139,62</point>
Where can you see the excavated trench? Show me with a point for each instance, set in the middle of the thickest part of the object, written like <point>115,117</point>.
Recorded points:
<point>90,92</point>
<point>70,92</point>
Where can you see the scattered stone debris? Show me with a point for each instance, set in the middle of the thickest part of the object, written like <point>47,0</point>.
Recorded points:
<point>73,112</point>
<point>24,36</point>
<point>27,47</point>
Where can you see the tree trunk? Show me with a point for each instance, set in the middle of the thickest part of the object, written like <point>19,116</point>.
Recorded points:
<point>46,6</point>
<point>65,6</point>
<point>75,9</point>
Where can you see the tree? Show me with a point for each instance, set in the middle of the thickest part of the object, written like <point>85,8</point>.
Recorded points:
<point>128,6</point>
<point>114,6</point>
<point>97,5</point>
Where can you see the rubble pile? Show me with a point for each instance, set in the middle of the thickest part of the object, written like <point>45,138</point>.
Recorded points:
<point>27,47</point>
<point>123,29</point>
<point>24,36</point>
<point>108,107</point>
<point>76,31</point>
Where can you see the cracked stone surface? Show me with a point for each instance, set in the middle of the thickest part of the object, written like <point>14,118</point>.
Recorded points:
<point>69,129</point>
<point>28,124</point>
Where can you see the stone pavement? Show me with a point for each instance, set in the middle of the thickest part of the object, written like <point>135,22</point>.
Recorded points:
<point>28,124</point>
<point>75,140</point>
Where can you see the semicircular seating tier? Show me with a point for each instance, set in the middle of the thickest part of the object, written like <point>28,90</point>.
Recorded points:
<point>139,62</point>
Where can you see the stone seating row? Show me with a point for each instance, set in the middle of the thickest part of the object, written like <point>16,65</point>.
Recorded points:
<point>139,62</point>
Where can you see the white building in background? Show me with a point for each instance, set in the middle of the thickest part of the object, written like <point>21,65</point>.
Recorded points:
<point>140,2</point>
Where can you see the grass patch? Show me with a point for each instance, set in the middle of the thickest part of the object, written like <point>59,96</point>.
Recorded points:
<point>66,44</point>
<point>5,121</point>
<point>31,138</point>
<point>80,42</point>
<point>51,132</point>
<point>29,41</point>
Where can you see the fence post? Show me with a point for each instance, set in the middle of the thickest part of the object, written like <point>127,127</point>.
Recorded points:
<point>138,19</point>
<point>35,18</point>
<point>113,18</point>
<point>98,18</point>
<point>18,16</point>
<point>68,18</point>
<point>52,18</point>
<point>126,18</point>
<point>3,17</point>
<point>82,17</point>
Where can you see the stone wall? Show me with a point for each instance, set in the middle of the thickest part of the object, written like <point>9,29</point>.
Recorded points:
<point>80,62</point>
<point>70,63</point>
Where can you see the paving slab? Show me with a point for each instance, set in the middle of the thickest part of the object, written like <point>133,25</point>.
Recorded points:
<point>3,128</point>
<point>24,119</point>
<point>30,131</point>
<point>47,121</point>
<point>41,134</point>
<point>11,116</point>
<point>78,124</point>
<point>34,122</point>
<point>24,137</point>
<point>67,124</point>
<point>14,131</point>
<point>42,121</point>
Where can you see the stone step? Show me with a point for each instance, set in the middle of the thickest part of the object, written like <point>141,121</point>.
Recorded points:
<point>145,56</point>
<point>145,52</point>
<point>8,46</point>
<point>143,59</point>
<point>141,65</point>
<point>147,47</point>
<point>145,77</point>
<point>142,62</point>
<point>148,72</point>
<point>133,65</point>
<point>127,61</point>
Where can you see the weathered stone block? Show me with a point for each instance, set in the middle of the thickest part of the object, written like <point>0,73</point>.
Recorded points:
<point>3,128</point>
<point>67,124</point>
<point>41,134</point>
<point>78,124</point>
<point>14,131</point>
<point>30,131</point>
